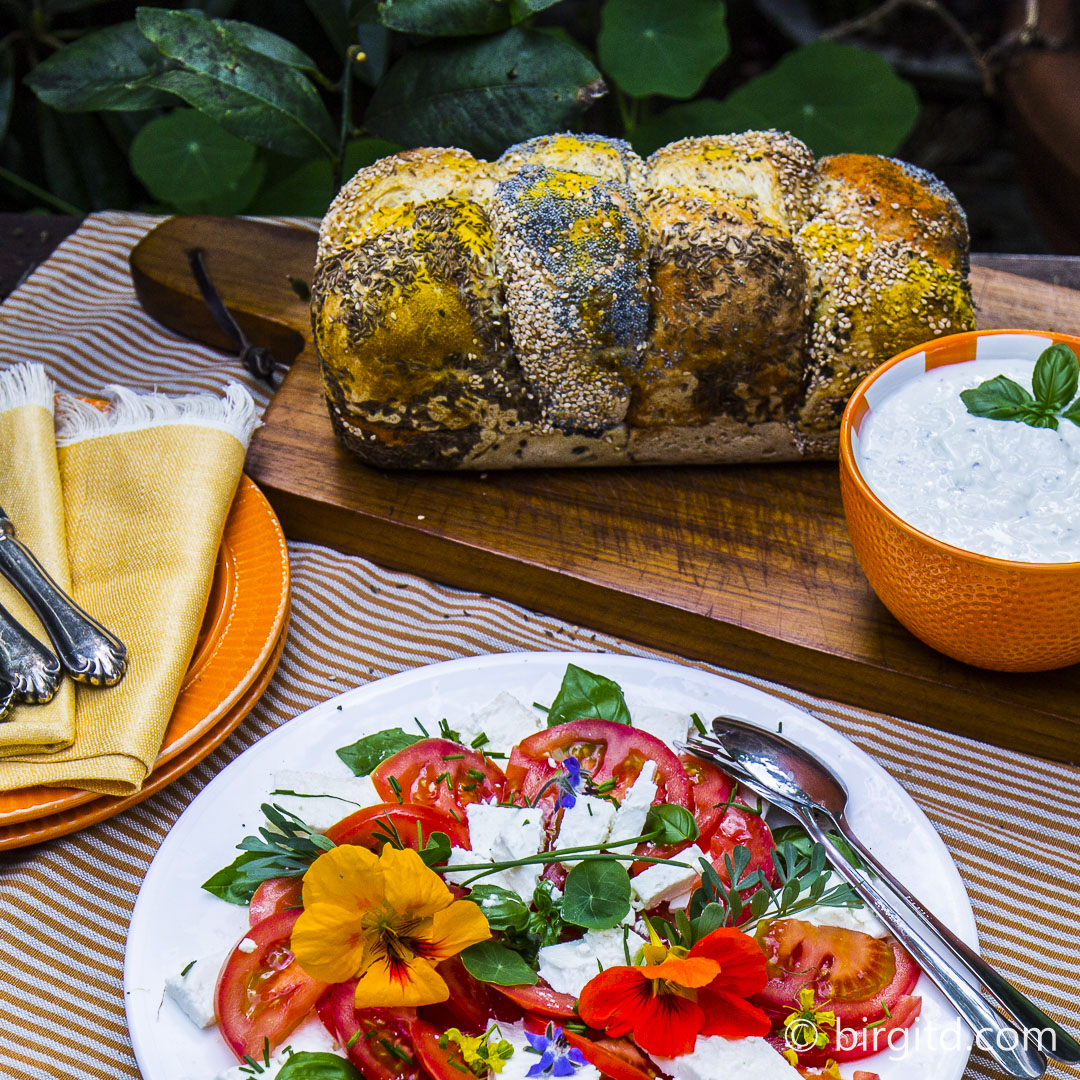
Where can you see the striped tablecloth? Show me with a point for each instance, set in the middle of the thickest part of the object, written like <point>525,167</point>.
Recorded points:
<point>1011,822</point>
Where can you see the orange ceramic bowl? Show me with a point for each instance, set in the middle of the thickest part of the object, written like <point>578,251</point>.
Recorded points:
<point>994,613</point>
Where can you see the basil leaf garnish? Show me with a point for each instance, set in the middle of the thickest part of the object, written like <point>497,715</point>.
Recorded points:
<point>318,1066</point>
<point>586,695</point>
<point>1000,398</point>
<point>1055,377</point>
<point>596,894</point>
<point>491,962</point>
<point>1054,382</point>
<point>363,755</point>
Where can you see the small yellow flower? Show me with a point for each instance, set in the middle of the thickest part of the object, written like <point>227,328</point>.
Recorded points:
<point>480,1053</point>
<point>805,1026</point>
<point>387,919</point>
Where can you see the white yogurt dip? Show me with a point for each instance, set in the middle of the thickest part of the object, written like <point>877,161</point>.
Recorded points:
<point>995,487</point>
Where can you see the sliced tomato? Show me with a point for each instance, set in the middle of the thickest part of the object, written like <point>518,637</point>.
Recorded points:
<point>618,1058</point>
<point>264,994</point>
<point>858,975</point>
<point>379,1042</point>
<point>741,828</point>
<point>471,1003</point>
<point>274,896</point>
<point>540,1000</point>
<point>437,772</point>
<point>412,822</point>
<point>853,1044</point>
<point>711,788</point>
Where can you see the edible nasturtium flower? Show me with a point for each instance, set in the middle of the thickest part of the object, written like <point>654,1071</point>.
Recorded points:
<point>678,994</point>
<point>804,1027</point>
<point>386,919</point>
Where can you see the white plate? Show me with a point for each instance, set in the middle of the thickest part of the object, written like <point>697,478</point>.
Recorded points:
<point>175,921</point>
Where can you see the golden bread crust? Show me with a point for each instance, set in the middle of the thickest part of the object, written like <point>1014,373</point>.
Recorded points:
<point>593,155</point>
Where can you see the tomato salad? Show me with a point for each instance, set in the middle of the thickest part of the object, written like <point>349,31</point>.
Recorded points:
<point>583,901</point>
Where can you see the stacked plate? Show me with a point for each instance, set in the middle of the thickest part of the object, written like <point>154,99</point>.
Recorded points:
<point>239,646</point>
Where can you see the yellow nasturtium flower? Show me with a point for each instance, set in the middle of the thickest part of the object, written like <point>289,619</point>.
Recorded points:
<point>388,920</point>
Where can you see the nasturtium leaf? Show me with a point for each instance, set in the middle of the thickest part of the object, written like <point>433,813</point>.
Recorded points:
<point>7,87</point>
<point>596,894</point>
<point>252,95</point>
<point>834,97</point>
<point>104,69</point>
<point>268,43</point>
<point>661,46</point>
<point>504,909</point>
<point>185,158</point>
<point>673,824</point>
<point>445,18</point>
<point>491,962</point>
<point>1055,377</point>
<point>585,695</point>
<point>306,1065</point>
<point>436,850</point>
<point>363,755</point>
<point>483,93</point>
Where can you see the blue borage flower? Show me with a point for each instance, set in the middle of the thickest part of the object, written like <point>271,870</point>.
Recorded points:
<point>557,1056</point>
<point>569,781</point>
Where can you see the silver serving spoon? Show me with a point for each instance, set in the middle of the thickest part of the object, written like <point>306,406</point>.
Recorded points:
<point>88,652</point>
<point>7,699</point>
<point>799,783</point>
<point>25,664</point>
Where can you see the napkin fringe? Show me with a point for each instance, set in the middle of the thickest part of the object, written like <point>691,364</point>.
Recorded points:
<point>235,413</point>
<point>26,384</point>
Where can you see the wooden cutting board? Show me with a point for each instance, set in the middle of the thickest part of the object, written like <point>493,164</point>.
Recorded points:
<point>749,567</point>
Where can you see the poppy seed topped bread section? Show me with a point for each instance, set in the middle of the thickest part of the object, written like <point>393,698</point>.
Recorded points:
<point>571,304</point>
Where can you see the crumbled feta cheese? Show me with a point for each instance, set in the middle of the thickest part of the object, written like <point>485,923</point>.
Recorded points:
<point>716,1058</point>
<point>569,965</point>
<point>524,1057</point>
<point>588,821</point>
<point>310,1038</point>
<point>664,724</point>
<point>499,834</point>
<point>248,945</point>
<point>661,881</point>
<point>504,720</point>
<point>323,800</point>
<point>634,805</point>
<point>193,990</point>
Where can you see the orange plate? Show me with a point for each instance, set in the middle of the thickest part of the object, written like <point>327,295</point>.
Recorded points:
<point>106,806</point>
<point>244,619</point>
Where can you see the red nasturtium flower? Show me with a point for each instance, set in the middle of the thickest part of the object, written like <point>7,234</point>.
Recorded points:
<point>678,994</point>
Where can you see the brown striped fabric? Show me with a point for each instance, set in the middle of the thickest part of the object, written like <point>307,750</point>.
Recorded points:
<point>1011,822</point>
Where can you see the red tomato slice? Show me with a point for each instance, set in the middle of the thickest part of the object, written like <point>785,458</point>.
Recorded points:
<point>379,1042</point>
<point>361,827</point>
<point>740,828</point>
<point>437,772</point>
<point>857,1043</point>
<point>860,976</point>
<point>471,1003</point>
<point>540,1000</point>
<point>264,994</point>
<point>274,896</point>
<point>711,788</point>
<point>618,1058</point>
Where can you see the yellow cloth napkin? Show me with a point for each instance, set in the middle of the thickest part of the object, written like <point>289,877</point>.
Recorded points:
<point>30,494</point>
<point>147,488</point>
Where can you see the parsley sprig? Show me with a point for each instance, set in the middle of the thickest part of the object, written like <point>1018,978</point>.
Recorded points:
<point>1053,386</point>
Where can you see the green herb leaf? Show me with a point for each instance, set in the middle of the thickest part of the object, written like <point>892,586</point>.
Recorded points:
<point>672,824</point>
<point>1000,398</point>
<point>445,18</point>
<point>318,1066</point>
<point>585,695</point>
<point>436,852</point>
<point>798,837</point>
<point>492,962</point>
<point>596,894</point>
<point>268,43</point>
<point>104,69</point>
<point>1055,377</point>
<point>669,47</point>
<point>234,884</point>
<point>482,93</point>
<point>504,909</point>
<point>363,755</point>
<point>1073,412</point>
<point>188,160</point>
<point>257,97</point>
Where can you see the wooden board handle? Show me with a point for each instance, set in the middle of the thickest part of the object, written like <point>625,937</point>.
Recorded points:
<point>258,269</point>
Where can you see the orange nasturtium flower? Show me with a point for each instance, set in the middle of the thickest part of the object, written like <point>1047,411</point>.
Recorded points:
<point>680,993</point>
<point>387,919</point>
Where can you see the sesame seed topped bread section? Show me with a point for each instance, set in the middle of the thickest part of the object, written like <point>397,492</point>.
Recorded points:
<point>571,304</point>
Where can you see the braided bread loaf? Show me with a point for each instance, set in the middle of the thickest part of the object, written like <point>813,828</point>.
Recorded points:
<point>571,304</point>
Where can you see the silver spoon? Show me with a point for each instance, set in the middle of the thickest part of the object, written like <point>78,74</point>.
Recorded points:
<point>89,653</point>
<point>32,671</point>
<point>798,782</point>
